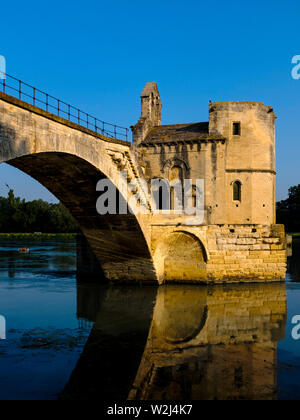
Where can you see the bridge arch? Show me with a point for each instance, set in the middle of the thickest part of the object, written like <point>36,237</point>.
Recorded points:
<point>117,241</point>
<point>69,160</point>
<point>180,255</point>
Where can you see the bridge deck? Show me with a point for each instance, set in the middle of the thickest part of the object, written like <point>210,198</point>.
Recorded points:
<point>22,104</point>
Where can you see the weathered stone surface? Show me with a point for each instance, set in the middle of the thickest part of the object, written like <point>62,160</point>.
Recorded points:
<point>69,160</point>
<point>213,152</point>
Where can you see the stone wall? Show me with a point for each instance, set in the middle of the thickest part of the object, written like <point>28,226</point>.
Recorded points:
<point>246,253</point>
<point>229,253</point>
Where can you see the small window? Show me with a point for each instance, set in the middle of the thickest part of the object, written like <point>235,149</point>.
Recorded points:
<point>161,194</point>
<point>237,191</point>
<point>172,198</point>
<point>236,129</point>
<point>161,198</point>
<point>194,196</point>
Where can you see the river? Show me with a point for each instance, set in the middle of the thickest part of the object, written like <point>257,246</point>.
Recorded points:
<point>77,341</point>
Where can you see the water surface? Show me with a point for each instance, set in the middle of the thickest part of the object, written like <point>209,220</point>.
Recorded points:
<point>72,341</point>
<point>38,300</point>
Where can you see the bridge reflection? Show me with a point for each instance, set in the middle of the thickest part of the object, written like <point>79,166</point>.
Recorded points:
<point>180,342</point>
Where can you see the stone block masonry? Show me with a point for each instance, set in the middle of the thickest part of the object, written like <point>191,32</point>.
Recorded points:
<point>246,253</point>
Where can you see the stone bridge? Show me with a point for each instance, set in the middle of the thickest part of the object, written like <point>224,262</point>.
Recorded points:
<point>69,160</point>
<point>238,239</point>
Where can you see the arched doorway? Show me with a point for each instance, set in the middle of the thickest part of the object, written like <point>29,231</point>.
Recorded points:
<point>180,257</point>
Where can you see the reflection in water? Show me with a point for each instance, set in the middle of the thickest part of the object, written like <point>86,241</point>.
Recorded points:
<point>204,343</point>
<point>38,300</point>
<point>11,265</point>
<point>171,343</point>
<point>213,343</point>
<point>112,355</point>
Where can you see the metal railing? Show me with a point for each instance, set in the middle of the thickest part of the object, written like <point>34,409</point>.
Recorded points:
<point>23,91</point>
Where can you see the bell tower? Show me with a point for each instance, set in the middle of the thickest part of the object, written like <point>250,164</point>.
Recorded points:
<point>151,113</point>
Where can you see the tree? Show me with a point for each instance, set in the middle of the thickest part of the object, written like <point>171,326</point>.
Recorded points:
<point>18,216</point>
<point>288,211</point>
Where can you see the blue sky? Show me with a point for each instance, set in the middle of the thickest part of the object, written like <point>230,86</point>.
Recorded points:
<point>98,55</point>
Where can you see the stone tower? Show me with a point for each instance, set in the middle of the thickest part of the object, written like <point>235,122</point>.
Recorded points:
<point>151,113</point>
<point>249,129</point>
<point>233,154</point>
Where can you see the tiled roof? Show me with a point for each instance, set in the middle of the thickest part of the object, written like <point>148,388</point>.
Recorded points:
<point>179,132</point>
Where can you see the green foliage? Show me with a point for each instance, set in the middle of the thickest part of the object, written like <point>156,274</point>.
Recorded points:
<point>288,211</point>
<point>17,215</point>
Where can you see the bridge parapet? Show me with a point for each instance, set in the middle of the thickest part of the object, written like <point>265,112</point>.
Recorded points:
<point>41,100</point>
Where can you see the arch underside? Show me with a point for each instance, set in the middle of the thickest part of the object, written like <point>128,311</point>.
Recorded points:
<point>180,257</point>
<point>117,241</point>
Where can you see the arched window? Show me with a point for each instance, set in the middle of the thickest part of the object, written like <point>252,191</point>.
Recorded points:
<point>160,198</point>
<point>176,184</point>
<point>176,173</point>
<point>237,191</point>
<point>160,191</point>
<point>194,196</point>
<point>192,199</point>
<point>176,196</point>
<point>172,198</point>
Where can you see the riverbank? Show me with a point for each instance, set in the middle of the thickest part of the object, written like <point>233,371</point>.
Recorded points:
<point>38,235</point>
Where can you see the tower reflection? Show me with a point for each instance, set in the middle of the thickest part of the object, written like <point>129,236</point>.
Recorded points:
<point>214,343</point>
<point>180,342</point>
